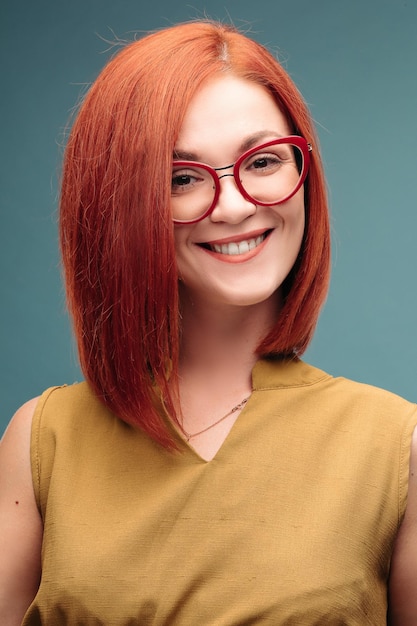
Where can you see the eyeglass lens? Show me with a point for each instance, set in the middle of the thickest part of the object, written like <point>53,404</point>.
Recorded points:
<point>267,177</point>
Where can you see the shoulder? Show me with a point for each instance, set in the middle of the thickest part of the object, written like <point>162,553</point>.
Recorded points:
<point>16,439</point>
<point>373,411</point>
<point>65,419</point>
<point>305,381</point>
<point>76,393</point>
<point>20,521</point>
<point>403,576</point>
<point>15,463</point>
<point>15,445</point>
<point>370,418</point>
<point>66,407</point>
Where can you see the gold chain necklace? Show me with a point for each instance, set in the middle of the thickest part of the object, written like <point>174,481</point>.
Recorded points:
<point>239,406</point>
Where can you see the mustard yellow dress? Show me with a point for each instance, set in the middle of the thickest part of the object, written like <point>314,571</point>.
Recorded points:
<point>292,523</point>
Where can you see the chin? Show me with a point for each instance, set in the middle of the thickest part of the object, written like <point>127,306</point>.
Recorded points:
<point>247,298</point>
<point>248,293</point>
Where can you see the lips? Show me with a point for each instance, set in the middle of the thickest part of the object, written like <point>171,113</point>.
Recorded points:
<point>235,248</point>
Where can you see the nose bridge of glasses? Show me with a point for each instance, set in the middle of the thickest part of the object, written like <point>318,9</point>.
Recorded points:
<point>225,175</point>
<point>222,169</point>
<point>235,174</point>
<point>224,199</point>
<point>228,175</point>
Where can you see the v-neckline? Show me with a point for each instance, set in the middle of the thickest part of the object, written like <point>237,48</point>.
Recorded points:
<point>266,374</point>
<point>194,452</point>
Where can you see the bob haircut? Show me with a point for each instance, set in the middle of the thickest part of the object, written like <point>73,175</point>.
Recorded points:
<point>115,224</point>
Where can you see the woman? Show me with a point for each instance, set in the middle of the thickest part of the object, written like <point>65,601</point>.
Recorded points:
<point>203,474</point>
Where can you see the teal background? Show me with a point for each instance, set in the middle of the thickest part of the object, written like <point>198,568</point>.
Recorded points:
<point>354,62</point>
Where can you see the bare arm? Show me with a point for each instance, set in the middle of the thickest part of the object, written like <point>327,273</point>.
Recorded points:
<point>20,522</point>
<point>403,577</point>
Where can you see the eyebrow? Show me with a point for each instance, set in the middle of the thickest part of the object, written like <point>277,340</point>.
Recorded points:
<point>247,144</point>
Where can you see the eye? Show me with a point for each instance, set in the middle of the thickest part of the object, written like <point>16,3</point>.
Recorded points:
<point>180,182</point>
<point>189,177</point>
<point>263,163</point>
<point>184,180</point>
<point>269,162</point>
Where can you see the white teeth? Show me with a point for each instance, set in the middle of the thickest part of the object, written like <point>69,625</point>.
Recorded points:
<point>244,246</point>
<point>233,248</point>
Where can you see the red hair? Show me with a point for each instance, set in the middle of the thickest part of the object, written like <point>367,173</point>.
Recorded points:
<point>115,223</point>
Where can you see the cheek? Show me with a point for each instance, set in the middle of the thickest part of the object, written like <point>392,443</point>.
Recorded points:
<point>293,229</point>
<point>292,215</point>
<point>181,238</point>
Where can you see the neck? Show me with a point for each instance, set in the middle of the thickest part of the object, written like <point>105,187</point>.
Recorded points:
<point>218,352</point>
<point>223,339</point>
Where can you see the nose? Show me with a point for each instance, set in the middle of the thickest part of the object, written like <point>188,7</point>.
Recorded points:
<point>231,206</point>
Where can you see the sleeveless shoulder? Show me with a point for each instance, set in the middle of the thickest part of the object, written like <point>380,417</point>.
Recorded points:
<point>67,416</point>
<point>374,421</point>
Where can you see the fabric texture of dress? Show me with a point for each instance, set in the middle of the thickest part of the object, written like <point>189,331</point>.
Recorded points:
<point>292,523</point>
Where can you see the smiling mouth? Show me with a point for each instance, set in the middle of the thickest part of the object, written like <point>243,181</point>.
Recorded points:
<point>235,248</point>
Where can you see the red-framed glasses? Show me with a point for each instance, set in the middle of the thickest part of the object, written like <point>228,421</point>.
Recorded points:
<point>266,175</point>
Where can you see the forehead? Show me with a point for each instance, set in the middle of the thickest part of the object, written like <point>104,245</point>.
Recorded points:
<point>227,112</point>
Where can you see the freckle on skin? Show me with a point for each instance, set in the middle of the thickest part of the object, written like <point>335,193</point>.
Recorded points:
<point>17,502</point>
